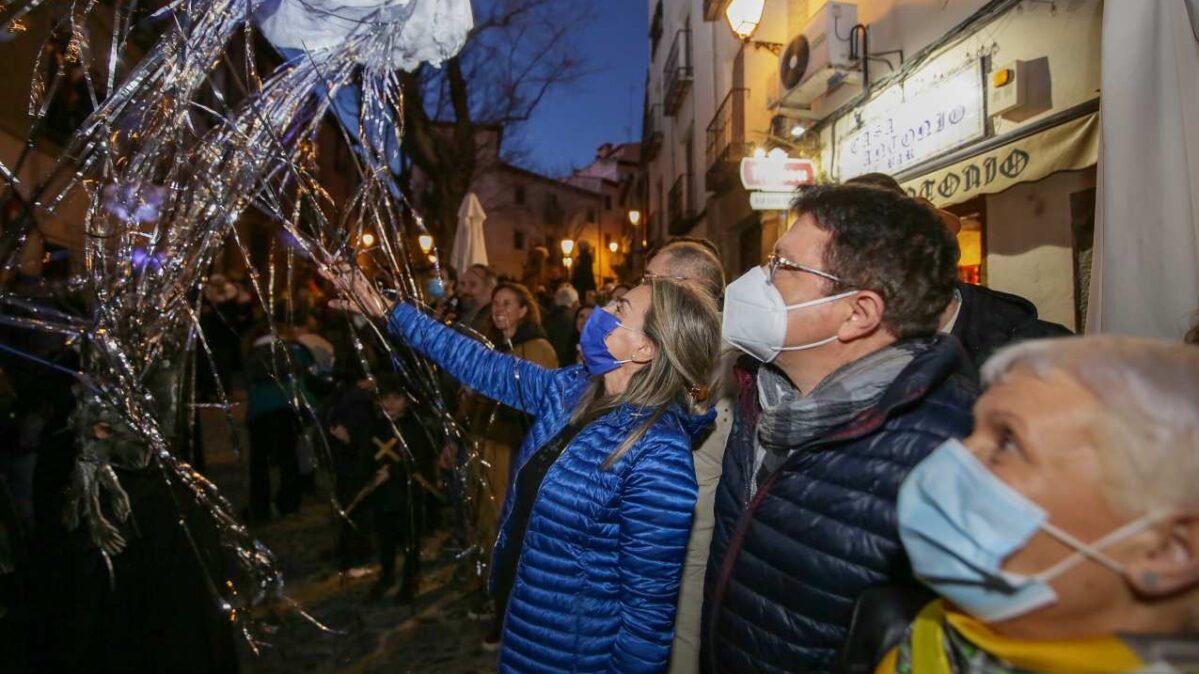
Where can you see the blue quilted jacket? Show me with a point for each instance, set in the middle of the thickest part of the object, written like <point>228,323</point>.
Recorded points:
<point>600,567</point>
<point>787,565</point>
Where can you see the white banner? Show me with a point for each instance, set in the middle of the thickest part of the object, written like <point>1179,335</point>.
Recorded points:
<point>911,122</point>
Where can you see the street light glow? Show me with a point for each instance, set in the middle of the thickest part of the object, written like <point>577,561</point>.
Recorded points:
<point>635,217</point>
<point>566,261</point>
<point>568,247</point>
<point>744,16</point>
<point>614,247</point>
<point>368,239</point>
<point>426,243</point>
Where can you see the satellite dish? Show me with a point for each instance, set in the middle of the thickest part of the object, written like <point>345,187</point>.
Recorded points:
<point>794,62</point>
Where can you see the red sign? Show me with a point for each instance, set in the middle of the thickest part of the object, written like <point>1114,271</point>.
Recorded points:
<point>776,172</point>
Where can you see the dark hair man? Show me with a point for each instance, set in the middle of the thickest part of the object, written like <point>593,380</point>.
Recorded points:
<point>982,319</point>
<point>848,386</point>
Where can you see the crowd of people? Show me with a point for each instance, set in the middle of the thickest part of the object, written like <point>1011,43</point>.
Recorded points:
<point>834,494</point>
<point>846,459</point>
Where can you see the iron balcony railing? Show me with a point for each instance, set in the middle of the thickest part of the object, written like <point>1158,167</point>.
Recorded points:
<point>679,73</point>
<point>681,205</point>
<point>651,132</point>
<point>726,138</point>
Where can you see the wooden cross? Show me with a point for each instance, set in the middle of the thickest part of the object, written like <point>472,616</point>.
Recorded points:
<point>385,450</point>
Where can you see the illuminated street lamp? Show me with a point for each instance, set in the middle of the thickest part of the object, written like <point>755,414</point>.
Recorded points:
<point>744,16</point>
<point>635,217</point>
<point>614,247</point>
<point>368,239</point>
<point>426,243</point>
<point>567,262</point>
<point>568,247</point>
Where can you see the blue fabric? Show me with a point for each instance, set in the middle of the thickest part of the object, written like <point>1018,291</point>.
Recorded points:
<point>787,566</point>
<point>599,572</point>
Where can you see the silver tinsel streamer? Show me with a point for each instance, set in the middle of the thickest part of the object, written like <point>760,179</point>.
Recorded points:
<point>174,153</point>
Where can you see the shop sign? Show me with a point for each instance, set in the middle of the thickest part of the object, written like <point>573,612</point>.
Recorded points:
<point>776,172</point>
<point>1066,147</point>
<point>771,201</point>
<point>911,122</point>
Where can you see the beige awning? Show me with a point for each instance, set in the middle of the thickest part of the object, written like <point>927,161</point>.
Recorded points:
<point>1067,147</point>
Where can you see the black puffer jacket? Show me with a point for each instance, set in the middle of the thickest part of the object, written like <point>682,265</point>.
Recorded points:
<point>990,320</point>
<point>787,566</point>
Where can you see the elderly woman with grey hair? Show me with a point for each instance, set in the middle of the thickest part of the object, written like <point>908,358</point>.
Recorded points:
<point>1063,534</point>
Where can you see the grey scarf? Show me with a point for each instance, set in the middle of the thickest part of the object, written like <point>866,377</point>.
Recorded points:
<point>790,420</point>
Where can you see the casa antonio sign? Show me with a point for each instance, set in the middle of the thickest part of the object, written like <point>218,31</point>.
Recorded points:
<point>1071,146</point>
<point>979,173</point>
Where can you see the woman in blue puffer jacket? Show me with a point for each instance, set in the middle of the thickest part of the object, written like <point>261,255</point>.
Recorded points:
<point>595,525</point>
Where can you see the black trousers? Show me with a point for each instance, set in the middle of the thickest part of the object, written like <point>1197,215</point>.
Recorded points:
<point>274,435</point>
<point>400,528</point>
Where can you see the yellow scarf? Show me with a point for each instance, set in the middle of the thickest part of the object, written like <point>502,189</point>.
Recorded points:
<point>1099,655</point>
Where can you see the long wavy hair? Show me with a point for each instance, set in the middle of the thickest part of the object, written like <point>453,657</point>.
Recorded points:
<point>684,325</point>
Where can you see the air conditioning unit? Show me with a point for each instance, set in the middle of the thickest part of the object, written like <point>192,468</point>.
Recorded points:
<point>817,58</point>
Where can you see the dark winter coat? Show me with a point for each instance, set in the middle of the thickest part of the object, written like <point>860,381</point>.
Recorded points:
<point>788,564</point>
<point>990,320</point>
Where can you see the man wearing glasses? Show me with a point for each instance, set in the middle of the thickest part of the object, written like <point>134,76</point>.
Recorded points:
<point>846,385</point>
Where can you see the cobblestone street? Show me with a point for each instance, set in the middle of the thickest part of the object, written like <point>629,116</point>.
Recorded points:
<point>434,634</point>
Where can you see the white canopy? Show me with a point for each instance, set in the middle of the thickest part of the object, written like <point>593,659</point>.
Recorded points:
<point>1145,278</point>
<point>470,247</point>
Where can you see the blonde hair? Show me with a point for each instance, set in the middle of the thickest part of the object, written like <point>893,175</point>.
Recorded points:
<point>1149,436</point>
<point>684,325</point>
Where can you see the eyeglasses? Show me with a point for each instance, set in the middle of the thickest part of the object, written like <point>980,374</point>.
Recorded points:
<point>647,277</point>
<point>776,262</point>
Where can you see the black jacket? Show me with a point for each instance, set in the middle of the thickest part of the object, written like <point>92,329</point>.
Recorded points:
<point>990,320</point>
<point>787,565</point>
<point>560,330</point>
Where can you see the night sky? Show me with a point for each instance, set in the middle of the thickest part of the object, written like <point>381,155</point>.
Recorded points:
<point>604,107</point>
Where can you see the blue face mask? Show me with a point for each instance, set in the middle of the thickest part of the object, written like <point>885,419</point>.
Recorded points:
<point>593,343</point>
<point>959,522</point>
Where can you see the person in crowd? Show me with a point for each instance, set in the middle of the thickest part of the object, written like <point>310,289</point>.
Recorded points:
<point>474,295</point>
<point>582,315</point>
<point>404,472</point>
<point>618,291</point>
<point>1063,534</point>
<point>847,386</point>
<point>583,275</point>
<point>533,275</point>
<point>696,265</point>
<point>276,371</point>
<point>689,260</point>
<point>595,527</point>
<point>983,320</point>
<point>560,324</point>
<point>351,425</point>
<point>500,428</point>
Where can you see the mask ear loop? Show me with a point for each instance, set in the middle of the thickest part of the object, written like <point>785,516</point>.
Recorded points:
<point>1092,551</point>
<point>633,360</point>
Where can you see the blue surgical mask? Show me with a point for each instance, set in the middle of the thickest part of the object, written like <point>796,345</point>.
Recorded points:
<point>959,522</point>
<point>593,343</point>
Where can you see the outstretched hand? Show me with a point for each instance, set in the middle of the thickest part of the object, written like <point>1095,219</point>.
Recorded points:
<point>359,294</point>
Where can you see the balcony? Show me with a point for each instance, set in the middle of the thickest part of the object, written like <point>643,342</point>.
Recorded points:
<point>726,141</point>
<point>714,8</point>
<point>678,74</point>
<point>680,209</point>
<point>651,133</point>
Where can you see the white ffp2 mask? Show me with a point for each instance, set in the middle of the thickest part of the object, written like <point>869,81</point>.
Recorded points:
<point>755,316</point>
